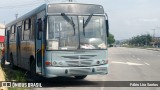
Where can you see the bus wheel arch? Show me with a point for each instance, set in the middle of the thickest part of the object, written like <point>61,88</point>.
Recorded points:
<point>80,77</point>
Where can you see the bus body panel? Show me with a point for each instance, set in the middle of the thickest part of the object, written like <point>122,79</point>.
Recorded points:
<point>75,71</point>
<point>76,62</point>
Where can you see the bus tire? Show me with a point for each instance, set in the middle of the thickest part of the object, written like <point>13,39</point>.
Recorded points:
<point>11,62</point>
<point>80,77</point>
<point>33,69</point>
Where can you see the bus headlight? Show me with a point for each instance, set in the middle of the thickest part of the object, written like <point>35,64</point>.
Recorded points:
<point>54,63</point>
<point>60,63</point>
<point>98,62</point>
<point>103,62</point>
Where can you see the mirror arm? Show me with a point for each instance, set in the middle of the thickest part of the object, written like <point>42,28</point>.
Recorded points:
<point>107,25</point>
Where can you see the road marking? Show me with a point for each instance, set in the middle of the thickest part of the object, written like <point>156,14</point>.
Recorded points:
<point>133,56</point>
<point>128,63</point>
<point>138,59</point>
<point>118,62</point>
<point>151,53</point>
<point>146,63</point>
<point>102,88</point>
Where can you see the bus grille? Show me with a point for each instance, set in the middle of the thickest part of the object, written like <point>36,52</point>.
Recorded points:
<point>79,63</point>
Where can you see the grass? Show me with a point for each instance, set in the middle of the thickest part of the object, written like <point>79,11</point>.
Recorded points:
<point>13,75</point>
<point>16,75</point>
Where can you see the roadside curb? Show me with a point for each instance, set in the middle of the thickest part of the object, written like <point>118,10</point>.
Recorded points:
<point>154,49</point>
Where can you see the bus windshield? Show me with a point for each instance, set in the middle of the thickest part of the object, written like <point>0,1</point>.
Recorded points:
<point>76,32</point>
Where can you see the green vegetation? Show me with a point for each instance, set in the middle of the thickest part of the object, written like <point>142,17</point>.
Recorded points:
<point>141,40</point>
<point>15,76</point>
<point>111,39</point>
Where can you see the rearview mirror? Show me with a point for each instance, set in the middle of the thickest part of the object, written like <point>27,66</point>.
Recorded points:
<point>107,28</point>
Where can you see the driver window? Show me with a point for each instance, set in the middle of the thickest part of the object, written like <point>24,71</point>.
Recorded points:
<point>39,28</point>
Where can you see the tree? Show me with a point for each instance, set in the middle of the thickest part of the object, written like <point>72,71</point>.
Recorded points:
<point>111,39</point>
<point>140,40</point>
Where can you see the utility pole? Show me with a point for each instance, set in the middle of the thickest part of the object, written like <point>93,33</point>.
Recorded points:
<point>16,15</point>
<point>154,32</point>
<point>153,37</point>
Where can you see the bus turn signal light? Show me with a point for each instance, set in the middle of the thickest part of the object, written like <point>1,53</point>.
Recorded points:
<point>106,61</point>
<point>48,63</point>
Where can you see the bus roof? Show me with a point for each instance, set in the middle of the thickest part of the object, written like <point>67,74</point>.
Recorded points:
<point>29,14</point>
<point>79,8</point>
<point>75,8</point>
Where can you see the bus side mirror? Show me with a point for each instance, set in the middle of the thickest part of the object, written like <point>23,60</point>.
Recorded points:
<point>107,28</point>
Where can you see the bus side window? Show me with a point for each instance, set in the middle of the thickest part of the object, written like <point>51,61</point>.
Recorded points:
<point>27,29</point>
<point>39,36</point>
<point>12,33</point>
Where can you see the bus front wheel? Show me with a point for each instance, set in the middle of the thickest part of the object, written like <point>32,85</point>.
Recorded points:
<point>80,77</point>
<point>32,68</point>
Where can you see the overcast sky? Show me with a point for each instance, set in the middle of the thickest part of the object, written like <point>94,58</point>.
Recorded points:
<point>127,18</point>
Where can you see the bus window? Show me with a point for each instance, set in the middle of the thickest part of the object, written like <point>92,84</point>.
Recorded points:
<point>27,24</point>
<point>12,33</point>
<point>32,28</point>
<point>26,32</point>
<point>39,36</point>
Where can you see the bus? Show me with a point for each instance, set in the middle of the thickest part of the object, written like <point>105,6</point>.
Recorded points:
<point>59,39</point>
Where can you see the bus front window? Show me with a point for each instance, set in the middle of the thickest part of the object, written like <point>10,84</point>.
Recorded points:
<point>92,32</point>
<point>61,33</point>
<point>76,32</point>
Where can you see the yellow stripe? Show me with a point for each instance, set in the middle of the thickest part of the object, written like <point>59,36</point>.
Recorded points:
<point>42,49</point>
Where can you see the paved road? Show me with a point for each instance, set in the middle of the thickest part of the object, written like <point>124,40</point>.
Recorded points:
<point>126,64</point>
<point>134,64</point>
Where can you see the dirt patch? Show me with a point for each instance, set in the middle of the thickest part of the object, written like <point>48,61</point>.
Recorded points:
<point>2,78</point>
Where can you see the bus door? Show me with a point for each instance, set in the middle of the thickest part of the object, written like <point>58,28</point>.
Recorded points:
<point>7,45</point>
<point>39,45</point>
<point>39,42</point>
<point>18,43</point>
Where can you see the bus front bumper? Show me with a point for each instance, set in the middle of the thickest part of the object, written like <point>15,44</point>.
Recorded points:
<point>75,71</point>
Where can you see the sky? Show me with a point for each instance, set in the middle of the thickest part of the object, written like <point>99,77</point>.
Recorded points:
<point>127,18</point>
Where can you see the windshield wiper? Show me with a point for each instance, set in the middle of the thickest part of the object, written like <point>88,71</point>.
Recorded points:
<point>86,23</point>
<point>83,27</point>
<point>70,21</point>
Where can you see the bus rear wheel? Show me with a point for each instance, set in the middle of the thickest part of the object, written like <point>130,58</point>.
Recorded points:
<point>12,62</point>
<point>80,77</point>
